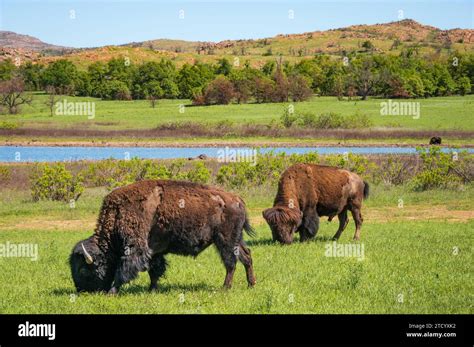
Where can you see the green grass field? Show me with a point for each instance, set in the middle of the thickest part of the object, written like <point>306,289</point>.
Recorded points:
<point>443,113</point>
<point>417,259</point>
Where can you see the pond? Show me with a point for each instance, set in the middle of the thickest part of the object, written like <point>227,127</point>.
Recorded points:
<point>47,154</point>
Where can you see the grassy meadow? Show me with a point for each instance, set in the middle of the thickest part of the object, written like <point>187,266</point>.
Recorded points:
<point>441,113</point>
<point>417,259</point>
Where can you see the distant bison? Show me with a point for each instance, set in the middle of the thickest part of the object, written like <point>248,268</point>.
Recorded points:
<point>306,192</point>
<point>140,223</point>
<point>435,140</point>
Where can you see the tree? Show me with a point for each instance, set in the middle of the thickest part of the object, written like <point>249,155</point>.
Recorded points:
<point>163,72</point>
<point>299,88</point>
<point>220,91</point>
<point>264,87</point>
<point>61,74</point>
<point>115,90</point>
<point>7,69</point>
<point>244,83</point>
<point>368,46</point>
<point>280,93</point>
<point>269,68</point>
<point>153,92</point>
<point>464,85</point>
<point>52,98</point>
<point>31,75</point>
<point>12,95</point>
<point>192,79</point>
<point>97,73</point>
<point>223,67</point>
<point>365,76</point>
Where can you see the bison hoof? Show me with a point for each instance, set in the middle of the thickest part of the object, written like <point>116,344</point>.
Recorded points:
<point>153,288</point>
<point>252,284</point>
<point>113,291</point>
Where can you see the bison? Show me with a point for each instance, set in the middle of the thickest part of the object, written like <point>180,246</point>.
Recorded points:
<point>308,191</point>
<point>435,140</point>
<point>138,224</point>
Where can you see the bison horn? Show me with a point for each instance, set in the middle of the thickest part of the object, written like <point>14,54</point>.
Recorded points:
<point>87,256</point>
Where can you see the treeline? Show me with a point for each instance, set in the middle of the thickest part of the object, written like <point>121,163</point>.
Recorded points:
<point>362,75</point>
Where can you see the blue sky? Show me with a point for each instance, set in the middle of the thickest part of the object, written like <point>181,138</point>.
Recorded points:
<point>87,23</point>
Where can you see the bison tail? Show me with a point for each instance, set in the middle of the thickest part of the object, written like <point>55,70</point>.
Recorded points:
<point>248,228</point>
<point>366,190</point>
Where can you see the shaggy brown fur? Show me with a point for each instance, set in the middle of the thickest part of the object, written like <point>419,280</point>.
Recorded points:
<point>308,191</point>
<point>140,223</point>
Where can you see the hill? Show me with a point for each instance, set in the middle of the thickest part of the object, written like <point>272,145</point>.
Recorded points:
<point>389,38</point>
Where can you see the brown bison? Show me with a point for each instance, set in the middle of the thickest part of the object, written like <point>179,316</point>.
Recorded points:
<point>306,192</point>
<point>140,223</point>
<point>435,140</point>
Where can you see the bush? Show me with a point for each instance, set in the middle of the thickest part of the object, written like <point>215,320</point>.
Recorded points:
<point>441,170</point>
<point>325,121</point>
<point>8,125</point>
<point>308,120</point>
<point>5,173</point>
<point>394,171</point>
<point>199,173</point>
<point>220,91</point>
<point>329,121</point>
<point>352,162</point>
<point>300,88</point>
<point>356,121</point>
<point>288,118</point>
<point>55,182</point>
<point>267,169</point>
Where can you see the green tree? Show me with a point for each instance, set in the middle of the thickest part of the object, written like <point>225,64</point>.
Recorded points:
<point>31,75</point>
<point>7,68</point>
<point>223,67</point>
<point>61,74</point>
<point>464,85</point>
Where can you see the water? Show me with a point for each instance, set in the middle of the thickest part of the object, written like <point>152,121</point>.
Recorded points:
<point>46,154</point>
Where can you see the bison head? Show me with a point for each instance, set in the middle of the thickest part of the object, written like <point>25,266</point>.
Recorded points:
<point>283,222</point>
<point>90,268</point>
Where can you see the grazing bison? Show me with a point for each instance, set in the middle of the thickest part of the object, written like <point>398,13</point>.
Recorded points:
<point>435,140</point>
<point>306,192</point>
<point>140,223</point>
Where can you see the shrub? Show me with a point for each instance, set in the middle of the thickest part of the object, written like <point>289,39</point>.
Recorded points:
<point>55,182</point>
<point>300,88</point>
<point>307,120</point>
<point>288,118</point>
<point>8,125</point>
<point>394,171</point>
<point>352,162</point>
<point>199,173</point>
<point>5,173</point>
<point>440,170</point>
<point>220,91</point>
<point>356,121</point>
<point>329,121</point>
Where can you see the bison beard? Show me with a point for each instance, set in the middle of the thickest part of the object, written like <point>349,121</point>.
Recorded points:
<point>140,223</point>
<point>306,192</point>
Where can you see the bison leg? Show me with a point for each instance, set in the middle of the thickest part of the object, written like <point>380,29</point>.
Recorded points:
<point>343,220</point>
<point>131,263</point>
<point>246,259</point>
<point>157,269</point>
<point>229,258</point>
<point>358,221</point>
<point>310,225</point>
